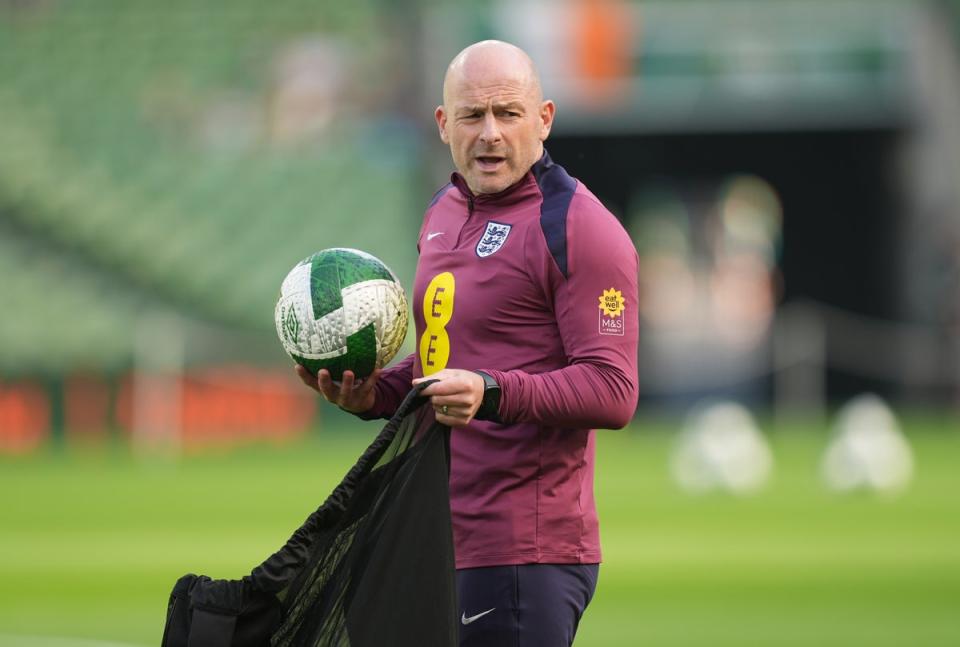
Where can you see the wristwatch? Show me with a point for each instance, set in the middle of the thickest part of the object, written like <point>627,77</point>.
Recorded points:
<point>490,407</point>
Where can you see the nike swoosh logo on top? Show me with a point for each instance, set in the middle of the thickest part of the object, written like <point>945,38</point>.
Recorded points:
<point>465,620</point>
<point>434,234</point>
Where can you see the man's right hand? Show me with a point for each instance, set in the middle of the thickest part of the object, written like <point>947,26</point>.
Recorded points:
<point>350,395</point>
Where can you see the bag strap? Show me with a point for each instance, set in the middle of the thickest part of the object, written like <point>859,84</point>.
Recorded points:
<point>412,400</point>
<point>209,629</point>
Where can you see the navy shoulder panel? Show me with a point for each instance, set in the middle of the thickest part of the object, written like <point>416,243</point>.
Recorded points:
<point>557,188</point>
<point>439,194</point>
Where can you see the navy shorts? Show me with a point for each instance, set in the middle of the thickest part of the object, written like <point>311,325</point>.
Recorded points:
<point>530,605</point>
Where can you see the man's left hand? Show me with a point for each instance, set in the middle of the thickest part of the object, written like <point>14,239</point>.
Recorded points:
<point>456,397</point>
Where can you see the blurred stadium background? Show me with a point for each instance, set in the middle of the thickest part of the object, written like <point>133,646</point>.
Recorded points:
<point>789,170</point>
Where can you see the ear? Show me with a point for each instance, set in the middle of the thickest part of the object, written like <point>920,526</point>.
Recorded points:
<point>547,110</point>
<point>441,116</point>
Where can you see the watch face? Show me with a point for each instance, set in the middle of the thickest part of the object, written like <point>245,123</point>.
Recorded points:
<point>490,406</point>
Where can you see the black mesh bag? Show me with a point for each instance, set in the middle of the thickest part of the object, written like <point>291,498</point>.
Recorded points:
<point>372,566</point>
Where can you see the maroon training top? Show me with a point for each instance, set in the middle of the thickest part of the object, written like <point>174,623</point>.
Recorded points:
<point>536,285</point>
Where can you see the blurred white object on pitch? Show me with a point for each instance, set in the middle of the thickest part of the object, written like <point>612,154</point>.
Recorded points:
<point>868,450</point>
<point>721,448</point>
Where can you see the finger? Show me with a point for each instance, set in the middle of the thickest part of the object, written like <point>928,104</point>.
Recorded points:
<point>305,376</point>
<point>462,399</point>
<point>346,387</point>
<point>327,387</point>
<point>452,418</point>
<point>438,378</point>
<point>365,386</point>
<point>453,408</point>
<point>426,391</point>
<point>439,375</point>
<point>448,386</point>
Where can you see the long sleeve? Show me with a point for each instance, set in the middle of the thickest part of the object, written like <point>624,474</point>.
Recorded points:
<point>391,388</point>
<point>597,318</point>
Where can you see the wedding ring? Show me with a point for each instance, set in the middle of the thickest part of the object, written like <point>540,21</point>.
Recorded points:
<point>443,409</point>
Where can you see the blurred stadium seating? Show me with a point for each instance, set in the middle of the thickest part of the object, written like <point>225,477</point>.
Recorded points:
<point>178,160</point>
<point>119,188</point>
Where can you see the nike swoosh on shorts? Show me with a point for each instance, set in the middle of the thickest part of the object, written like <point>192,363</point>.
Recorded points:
<point>465,620</point>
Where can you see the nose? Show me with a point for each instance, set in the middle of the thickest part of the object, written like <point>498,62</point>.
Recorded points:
<point>491,130</point>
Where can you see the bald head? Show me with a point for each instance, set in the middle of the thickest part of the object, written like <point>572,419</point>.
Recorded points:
<point>493,115</point>
<point>492,58</point>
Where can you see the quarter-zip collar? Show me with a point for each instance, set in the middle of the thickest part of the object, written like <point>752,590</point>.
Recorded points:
<point>521,190</point>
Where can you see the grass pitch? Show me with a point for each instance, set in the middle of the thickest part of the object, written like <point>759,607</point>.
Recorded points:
<point>90,544</point>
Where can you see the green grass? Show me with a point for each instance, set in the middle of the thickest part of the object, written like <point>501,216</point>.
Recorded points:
<point>91,544</point>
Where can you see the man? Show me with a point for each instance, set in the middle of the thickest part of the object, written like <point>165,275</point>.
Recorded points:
<point>525,306</point>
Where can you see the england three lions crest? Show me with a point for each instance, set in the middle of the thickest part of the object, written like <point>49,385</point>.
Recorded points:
<point>493,238</point>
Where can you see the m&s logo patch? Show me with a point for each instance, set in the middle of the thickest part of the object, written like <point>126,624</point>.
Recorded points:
<point>611,312</point>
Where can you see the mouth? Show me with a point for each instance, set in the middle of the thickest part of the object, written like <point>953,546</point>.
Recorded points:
<point>489,163</point>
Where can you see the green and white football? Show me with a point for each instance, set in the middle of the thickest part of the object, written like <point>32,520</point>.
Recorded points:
<point>341,309</point>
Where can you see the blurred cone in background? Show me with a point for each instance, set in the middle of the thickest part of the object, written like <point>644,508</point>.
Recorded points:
<point>721,448</point>
<point>868,450</point>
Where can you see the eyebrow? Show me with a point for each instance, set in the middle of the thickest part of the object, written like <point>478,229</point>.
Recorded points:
<point>510,105</point>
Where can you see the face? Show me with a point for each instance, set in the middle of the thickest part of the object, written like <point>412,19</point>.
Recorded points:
<point>495,124</point>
